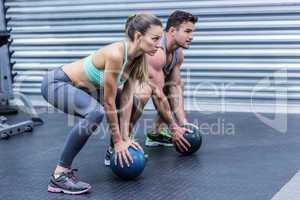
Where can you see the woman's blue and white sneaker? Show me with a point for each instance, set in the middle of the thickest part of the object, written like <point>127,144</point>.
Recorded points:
<point>108,155</point>
<point>68,183</point>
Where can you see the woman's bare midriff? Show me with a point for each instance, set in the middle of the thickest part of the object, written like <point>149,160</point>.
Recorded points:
<point>75,72</point>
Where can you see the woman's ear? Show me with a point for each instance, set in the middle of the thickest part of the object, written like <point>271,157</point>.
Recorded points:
<point>137,36</point>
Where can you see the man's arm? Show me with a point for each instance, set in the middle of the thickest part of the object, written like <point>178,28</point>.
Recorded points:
<point>162,106</point>
<point>174,85</point>
<point>156,82</point>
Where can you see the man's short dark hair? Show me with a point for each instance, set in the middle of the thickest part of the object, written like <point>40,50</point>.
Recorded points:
<point>178,17</point>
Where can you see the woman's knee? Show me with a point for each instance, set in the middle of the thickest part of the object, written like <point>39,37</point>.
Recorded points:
<point>95,116</point>
<point>93,119</point>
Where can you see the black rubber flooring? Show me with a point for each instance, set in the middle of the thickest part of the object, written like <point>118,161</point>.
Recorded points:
<point>241,159</point>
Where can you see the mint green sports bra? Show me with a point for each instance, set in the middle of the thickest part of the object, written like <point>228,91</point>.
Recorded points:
<point>96,76</point>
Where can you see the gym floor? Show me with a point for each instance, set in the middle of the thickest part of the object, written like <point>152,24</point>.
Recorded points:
<point>241,158</point>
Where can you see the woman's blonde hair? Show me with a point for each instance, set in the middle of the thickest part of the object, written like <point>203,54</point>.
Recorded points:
<point>140,23</point>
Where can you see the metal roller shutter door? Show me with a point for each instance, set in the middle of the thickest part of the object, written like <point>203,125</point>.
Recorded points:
<point>242,51</point>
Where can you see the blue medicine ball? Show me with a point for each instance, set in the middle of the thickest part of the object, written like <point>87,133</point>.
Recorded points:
<point>194,138</point>
<point>134,169</point>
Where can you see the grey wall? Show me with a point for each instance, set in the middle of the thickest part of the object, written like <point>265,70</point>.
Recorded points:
<point>243,51</point>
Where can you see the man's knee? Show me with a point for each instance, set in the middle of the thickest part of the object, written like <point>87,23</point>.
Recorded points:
<point>143,94</point>
<point>136,104</point>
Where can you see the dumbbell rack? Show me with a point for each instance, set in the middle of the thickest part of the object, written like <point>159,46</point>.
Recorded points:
<point>6,91</point>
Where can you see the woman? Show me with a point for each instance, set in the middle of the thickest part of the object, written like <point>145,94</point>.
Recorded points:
<point>89,88</point>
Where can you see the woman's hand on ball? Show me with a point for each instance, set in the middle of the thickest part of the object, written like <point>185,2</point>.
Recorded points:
<point>122,153</point>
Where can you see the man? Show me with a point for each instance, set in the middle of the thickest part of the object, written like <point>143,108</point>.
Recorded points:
<point>165,86</point>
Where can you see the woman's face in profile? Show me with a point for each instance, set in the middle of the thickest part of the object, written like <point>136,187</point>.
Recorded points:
<point>151,40</point>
